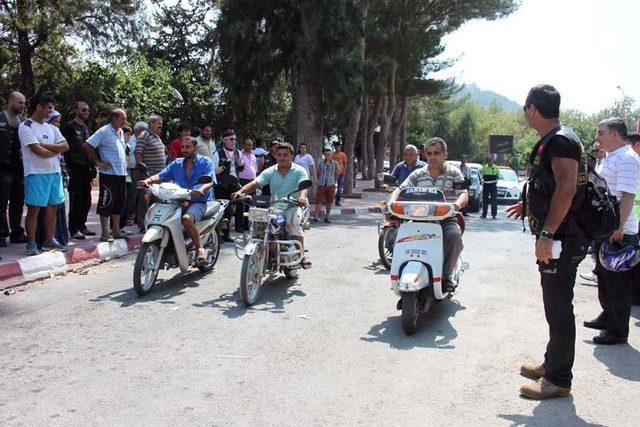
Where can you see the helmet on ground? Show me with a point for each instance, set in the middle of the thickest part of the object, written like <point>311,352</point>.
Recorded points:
<point>618,258</point>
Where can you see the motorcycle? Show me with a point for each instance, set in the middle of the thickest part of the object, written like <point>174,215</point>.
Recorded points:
<point>418,255</point>
<point>387,230</point>
<point>164,244</point>
<point>268,249</point>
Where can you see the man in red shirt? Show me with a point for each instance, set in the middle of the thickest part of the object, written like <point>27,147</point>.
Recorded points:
<point>175,147</point>
<point>339,156</point>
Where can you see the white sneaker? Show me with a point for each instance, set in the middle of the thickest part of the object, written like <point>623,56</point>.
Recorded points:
<point>590,277</point>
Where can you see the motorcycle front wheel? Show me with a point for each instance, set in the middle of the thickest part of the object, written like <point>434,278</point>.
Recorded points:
<point>251,276</point>
<point>386,241</point>
<point>144,273</point>
<point>212,246</point>
<point>410,312</point>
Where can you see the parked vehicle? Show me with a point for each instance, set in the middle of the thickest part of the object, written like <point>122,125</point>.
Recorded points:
<point>268,249</point>
<point>509,186</point>
<point>475,185</point>
<point>418,255</point>
<point>164,244</point>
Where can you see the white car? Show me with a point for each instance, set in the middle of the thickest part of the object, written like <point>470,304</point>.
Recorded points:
<point>509,187</point>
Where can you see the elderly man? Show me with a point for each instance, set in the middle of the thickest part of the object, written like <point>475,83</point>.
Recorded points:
<point>228,163</point>
<point>109,142</point>
<point>81,172</point>
<point>41,145</point>
<point>11,171</point>
<point>411,163</point>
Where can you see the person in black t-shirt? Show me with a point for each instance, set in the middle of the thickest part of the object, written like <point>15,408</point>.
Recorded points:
<point>556,161</point>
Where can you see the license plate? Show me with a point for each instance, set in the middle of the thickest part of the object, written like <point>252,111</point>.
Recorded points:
<point>258,215</point>
<point>501,193</point>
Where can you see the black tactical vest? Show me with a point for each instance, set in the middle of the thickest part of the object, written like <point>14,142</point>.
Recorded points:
<point>10,153</point>
<point>541,185</point>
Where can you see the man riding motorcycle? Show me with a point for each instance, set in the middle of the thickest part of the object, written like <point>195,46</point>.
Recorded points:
<point>448,178</point>
<point>185,172</point>
<point>283,179</point>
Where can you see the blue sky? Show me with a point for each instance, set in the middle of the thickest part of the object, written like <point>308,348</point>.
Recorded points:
<point>584,48</point>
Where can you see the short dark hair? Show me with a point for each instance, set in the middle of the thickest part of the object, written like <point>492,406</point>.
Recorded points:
<point>434,141</point>
<point>546,99</point>
<point>326,149</point>
<point>184,126</point>
<point>259,142</point>
<point>286,146</point>
<point>40,99</point>
<point>633,138</point>
<point>615,124</point>
<point>206,125</point>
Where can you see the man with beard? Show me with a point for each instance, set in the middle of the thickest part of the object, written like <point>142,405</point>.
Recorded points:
<point>185,171</point>
<point>11,171</point>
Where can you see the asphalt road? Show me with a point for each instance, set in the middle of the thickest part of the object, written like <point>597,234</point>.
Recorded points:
<point>326,349</point>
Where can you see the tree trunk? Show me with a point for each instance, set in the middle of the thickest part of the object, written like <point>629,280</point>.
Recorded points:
<point>25,51</point>
<point>350,134</point>
<point>402,127</point>
<point>364,125</point>
<point>371,132</point>
<point>387,115</point>
<point>309,117</point>
<point>394,147</point>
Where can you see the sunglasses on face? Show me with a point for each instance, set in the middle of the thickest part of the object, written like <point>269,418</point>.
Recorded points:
<point>85,110</point>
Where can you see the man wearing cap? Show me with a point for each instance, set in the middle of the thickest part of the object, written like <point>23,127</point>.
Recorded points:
<point>227,163</point>
<point>339,156</point>
<point>108,141</point>
<point>11,171</point>
<point>41,145</point>
<point>490,175</point>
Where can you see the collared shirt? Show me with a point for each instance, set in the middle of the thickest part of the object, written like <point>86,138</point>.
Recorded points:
<point>111,147</point>
<point>402,170</point>
<point>327,172</point>
<point>206,147</point>
<point>341,158</point>
<point>621,170</point>
<point>32,132</point>
<point>250,166</point>
<point>176,171</point>
<point>449,176</point>
<point>490,174</point>
<point>282,185</point>
<point>151,148</point>
<point>131,158</point>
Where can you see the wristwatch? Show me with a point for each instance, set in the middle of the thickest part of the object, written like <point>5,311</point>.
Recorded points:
<point>546,234</point>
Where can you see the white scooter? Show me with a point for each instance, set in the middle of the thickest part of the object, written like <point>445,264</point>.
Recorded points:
<point>164,244</point>
<point>418,254</point>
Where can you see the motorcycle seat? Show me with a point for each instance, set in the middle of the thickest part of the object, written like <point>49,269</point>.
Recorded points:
<point>212,208</point>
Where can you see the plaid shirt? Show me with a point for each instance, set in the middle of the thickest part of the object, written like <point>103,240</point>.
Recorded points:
<point>327,172</point>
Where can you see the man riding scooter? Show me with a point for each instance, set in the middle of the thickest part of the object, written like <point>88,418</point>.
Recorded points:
<point>447,178</point>
<point>185,172</point>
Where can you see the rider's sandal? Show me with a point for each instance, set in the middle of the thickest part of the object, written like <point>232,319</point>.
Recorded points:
<point>305,263</point>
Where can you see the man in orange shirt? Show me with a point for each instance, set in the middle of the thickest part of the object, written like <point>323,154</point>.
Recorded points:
<point>339,156</point>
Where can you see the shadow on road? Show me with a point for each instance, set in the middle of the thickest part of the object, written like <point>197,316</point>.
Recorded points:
<point>164,291</point>
<point>434,329</point>
<point>622,360</point>
<point>555,412</point>
<point>274,295</point>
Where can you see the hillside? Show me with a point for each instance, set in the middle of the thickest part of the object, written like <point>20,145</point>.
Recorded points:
<point>486,97</point>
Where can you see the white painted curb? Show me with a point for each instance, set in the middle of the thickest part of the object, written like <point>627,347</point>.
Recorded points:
<point>38,266</point>
<point>115,249</point>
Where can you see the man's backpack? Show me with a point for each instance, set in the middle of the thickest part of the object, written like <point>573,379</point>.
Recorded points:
<point>594,210</point>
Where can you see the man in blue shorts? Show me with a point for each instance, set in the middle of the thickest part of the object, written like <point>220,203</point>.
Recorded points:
<point>185,171</point>
<point>42,144</point>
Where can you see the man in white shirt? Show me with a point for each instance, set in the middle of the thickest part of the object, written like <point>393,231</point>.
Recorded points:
<point>621,170</point>
<point>41,144</point>
<point>206,144</point>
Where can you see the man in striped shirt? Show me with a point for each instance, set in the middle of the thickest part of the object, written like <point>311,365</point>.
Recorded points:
<point>621,170</point>
<point>150,151</point>
<point>327,178</point>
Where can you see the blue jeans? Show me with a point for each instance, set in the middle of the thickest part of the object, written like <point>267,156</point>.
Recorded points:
<point>340,188</point>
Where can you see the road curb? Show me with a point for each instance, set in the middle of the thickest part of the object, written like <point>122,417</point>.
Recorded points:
<point>52,263</point>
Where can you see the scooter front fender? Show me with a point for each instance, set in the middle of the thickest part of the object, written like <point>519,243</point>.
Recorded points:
<point>154,232</point>
<point>251,248</point>
<point>414,277</point>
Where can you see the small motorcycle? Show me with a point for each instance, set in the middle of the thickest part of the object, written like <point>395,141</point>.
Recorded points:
<point>165,245</point>
<point>268,249</point>
<point>418,255</point>
<point>387,230</point>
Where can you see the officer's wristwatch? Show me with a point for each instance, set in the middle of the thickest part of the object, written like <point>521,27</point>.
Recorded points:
<point>546,234</point>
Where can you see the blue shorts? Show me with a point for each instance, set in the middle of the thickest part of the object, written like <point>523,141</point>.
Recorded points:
<point>43,190</point>
<point>196,211</point>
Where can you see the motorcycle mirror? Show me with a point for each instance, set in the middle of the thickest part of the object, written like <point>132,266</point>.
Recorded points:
<point>303,185</point>
<point>143,168</point>
<point>205,179</point>
<point>389,179</point>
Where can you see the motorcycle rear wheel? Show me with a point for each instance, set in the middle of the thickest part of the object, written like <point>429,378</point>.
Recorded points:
<point>144,274</point>
<point>410,312</point>
<point>251,276</point>
<point>212,246</point>
<point>386,241</point>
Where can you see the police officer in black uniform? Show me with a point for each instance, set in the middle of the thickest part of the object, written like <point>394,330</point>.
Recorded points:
<point>11,171</point>
<point>556,186</point>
